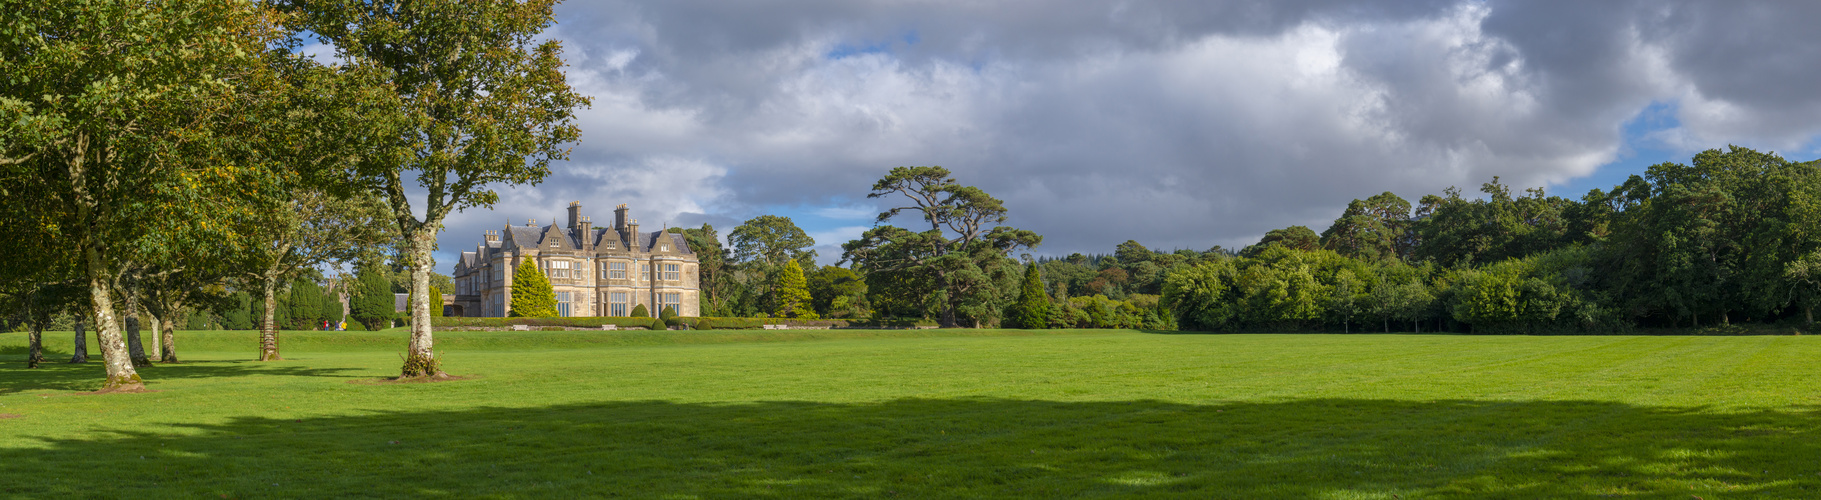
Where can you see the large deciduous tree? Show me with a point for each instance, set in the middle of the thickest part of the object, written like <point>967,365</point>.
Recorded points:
<point>298,233</point>
<point>483,102</point>
<point>115,117</point>
<point>959,259</point>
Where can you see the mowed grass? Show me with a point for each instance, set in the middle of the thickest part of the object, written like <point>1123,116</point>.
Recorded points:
<point>957,414</point>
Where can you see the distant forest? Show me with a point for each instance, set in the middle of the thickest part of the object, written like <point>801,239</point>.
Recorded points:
<point>1730,238</point>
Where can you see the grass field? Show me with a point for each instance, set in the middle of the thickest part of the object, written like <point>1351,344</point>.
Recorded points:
<point>932,413</point>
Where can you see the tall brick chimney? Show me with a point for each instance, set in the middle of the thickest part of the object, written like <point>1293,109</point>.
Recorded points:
<point>619,217</point>
<point>584,232</point>
<point>575,213</point>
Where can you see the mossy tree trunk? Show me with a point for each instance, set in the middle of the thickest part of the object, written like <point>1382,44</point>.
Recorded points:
<point>82,345</point>
<point>169,352</point>
<point>135,349</point>
<point>35,338</point>
<point>268,322</point>
<point>420,356</point>
<point>121,375</point>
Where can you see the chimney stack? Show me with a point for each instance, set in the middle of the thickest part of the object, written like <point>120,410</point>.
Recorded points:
<point>493,235</point>
<point>584,232</point>
<point>619,217</point>
<point>632,236</point>
<point>575,213</point>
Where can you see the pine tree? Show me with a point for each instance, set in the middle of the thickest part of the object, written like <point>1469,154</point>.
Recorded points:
<point>331,307</point>
<point>306,304</point>
<point>373,301</point>
<point>532,296</point>
<point>793,293</point>
<point>1033,307</point>
<point>436,302</point>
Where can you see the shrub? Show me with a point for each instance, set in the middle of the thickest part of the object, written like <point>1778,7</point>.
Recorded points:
<point>667,313</point>
<point>640,311</point>
<point>532,295</point>
<point>704,324</point>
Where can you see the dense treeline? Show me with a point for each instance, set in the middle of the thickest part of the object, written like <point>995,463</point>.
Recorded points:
<point>1730,237</point>
<point>159,159</point>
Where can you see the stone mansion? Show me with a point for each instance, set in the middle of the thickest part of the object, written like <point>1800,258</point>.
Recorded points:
<point>596,271</point>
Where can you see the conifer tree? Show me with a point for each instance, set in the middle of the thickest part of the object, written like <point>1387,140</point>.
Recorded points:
<point>306,304</point>
<point>373,301</point>
<point>793,293</point>
<point>532,296</point>
<point>331,307</point>
<point>1033,307</point>
<point>436,302</point>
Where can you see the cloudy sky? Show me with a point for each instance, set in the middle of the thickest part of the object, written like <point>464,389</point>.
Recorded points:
<point>1178,124</point>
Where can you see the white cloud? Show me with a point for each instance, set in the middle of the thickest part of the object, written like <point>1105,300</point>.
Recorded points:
<point>1179,124</point>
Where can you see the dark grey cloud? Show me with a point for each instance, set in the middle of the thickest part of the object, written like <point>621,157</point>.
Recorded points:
<point>1179,124</point>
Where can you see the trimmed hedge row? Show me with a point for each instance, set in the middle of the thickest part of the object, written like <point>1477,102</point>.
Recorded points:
<point>573,322</point>
<point>693,323</point>
<point>712,323</point>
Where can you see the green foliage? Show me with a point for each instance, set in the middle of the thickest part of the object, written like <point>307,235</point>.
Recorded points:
<point>373,303</point>
<point>532,295</point>
<point>772,240</point>
<point>331,307</point>
<point>236,313</point>
<point>838,292</point>
<point>793,293</point>
<point>639,311</point>
<point>1033,307</point>
<point>1293,237</point>
<point>436,302</point>
<point>958,267</point>
<point>306,304</point>
<point>667,313</point>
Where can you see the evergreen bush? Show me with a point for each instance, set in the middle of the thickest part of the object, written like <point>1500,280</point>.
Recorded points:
<point>639,311</point>
<point>532,295</point>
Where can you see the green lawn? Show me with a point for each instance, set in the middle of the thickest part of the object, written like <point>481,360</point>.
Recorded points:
<point>955,414</point>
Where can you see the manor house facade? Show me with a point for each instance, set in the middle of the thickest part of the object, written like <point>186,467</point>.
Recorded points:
<point>596,271</point>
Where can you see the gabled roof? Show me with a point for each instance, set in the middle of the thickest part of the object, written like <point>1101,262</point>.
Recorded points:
<point>525,236</point>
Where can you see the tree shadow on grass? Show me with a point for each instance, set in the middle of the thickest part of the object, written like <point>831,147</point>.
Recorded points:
<point>56,374</point>
<point>1326,448</point>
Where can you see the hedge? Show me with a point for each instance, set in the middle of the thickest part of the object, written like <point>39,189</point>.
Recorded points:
<point>573,322</point>
<point>694,323</point>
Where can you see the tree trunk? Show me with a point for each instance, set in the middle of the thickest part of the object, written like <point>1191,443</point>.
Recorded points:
<point>82,345</point>
<point>120,373</point>
<point>133,346</point>
<point>156,347</point>
<point>1725,318</point>
<point>135,350</point>
<point>36,340</point>
<point>1808,315</point>
<point>169,354</point>
<point>268,327</point>
<point>420,358</point>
